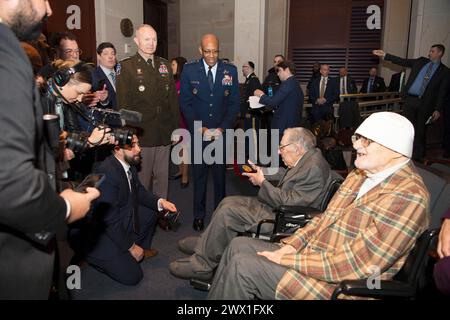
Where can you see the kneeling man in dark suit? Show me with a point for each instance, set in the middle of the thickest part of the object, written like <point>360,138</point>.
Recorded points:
<point>124,218</point>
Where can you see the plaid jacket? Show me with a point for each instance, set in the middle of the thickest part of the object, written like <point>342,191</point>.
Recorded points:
<point>352,236</point>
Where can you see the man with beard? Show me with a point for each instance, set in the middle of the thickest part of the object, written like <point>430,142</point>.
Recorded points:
<point>31,210</point>
<point>124,218</point>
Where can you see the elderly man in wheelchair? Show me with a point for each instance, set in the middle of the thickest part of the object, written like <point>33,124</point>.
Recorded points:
<point>369,228</point>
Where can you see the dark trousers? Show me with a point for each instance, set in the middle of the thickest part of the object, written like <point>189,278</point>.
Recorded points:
<point>200,173</point>
<point>123,267</point>
<point>416,112</point>
<point>320,112</point>
<point>446,142</point>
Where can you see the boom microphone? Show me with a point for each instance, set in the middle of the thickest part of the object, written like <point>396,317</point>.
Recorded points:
<point>130,115</point>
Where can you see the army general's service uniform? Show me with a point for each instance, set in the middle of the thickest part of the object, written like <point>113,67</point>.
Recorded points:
<point>150,89</point>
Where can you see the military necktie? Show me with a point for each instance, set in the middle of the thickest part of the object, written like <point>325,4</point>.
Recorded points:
<point>426,79</point>
<point>134,195</point>
<point>150,62</point>
<point>210,79</point>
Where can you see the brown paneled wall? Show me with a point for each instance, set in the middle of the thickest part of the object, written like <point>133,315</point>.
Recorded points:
<point>332,32</point>
<point>86,36</point>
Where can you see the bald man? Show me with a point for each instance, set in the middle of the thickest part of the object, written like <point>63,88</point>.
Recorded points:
<point>144,83</point>
<point>210,95</point>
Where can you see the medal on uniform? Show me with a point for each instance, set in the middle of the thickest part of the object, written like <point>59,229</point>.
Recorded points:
<point>227,80</point>
<point>195,91</point>
<point>227,93</point>
<point>163,69</point>
<point>141,88</point>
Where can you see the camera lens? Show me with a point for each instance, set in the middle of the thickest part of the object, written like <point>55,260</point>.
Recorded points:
<point>76,142</point>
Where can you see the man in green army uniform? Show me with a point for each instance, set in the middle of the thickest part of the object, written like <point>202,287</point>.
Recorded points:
<point>145,84</point>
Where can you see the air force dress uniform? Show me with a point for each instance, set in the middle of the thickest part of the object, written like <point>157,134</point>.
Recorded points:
<point>216,105</point>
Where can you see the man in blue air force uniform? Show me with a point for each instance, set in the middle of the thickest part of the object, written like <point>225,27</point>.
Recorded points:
<point>209,93</point>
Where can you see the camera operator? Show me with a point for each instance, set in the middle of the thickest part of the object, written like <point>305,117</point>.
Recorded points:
<point>65,90</point>
<point>31,210</point>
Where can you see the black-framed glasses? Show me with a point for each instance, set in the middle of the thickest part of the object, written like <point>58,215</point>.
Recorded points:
<point>364,141</point>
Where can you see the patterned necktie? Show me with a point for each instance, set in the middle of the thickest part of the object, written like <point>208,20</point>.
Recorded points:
<point>134,195</point>
<point>369,87</point>
<point>113,77</point>
<point>426,79</point>
<point>322,87</point>
<point>210,79</point>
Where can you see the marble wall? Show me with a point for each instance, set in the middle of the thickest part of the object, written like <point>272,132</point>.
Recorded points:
<point>108,15</point>
<point>430,25</point>
<point>276,34</point>
<point>198,17</point>
<point>395,33</point>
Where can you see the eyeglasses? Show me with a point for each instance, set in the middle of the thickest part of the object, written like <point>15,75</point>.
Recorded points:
<point>284,146</point>
<point>364,141</point>
<point>70,51</point>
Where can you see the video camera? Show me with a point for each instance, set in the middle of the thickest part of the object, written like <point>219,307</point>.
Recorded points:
<point>107,118</point>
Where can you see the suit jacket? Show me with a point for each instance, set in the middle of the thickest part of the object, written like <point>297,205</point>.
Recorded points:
<point>218,108</point>
<point>379,229</point>
<point>351,85</point>
<point>31,210</point>
<point>113,213</point>
<point>377,86</point>
<point>250,85</point>
<point>394,85</point>
<point>331,92</point>
<point>271,80</point>
<point>436,90</point>
<point>287,103</point>
<point>97,76</point>
<point>303,185</point>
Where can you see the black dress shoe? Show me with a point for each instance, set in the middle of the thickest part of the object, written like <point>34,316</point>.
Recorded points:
<point>198,225</point>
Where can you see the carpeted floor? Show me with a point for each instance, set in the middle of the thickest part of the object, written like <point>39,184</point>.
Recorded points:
<point>158,283</point>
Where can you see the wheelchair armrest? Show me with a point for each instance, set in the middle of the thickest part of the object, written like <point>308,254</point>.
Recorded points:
<point>258,229</point>
<point>295,209</point>
<point>387,289</point>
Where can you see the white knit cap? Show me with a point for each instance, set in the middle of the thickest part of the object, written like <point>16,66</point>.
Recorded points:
<point>389,129</point>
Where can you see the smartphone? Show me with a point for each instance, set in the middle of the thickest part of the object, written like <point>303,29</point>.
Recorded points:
<point>91,181</point>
